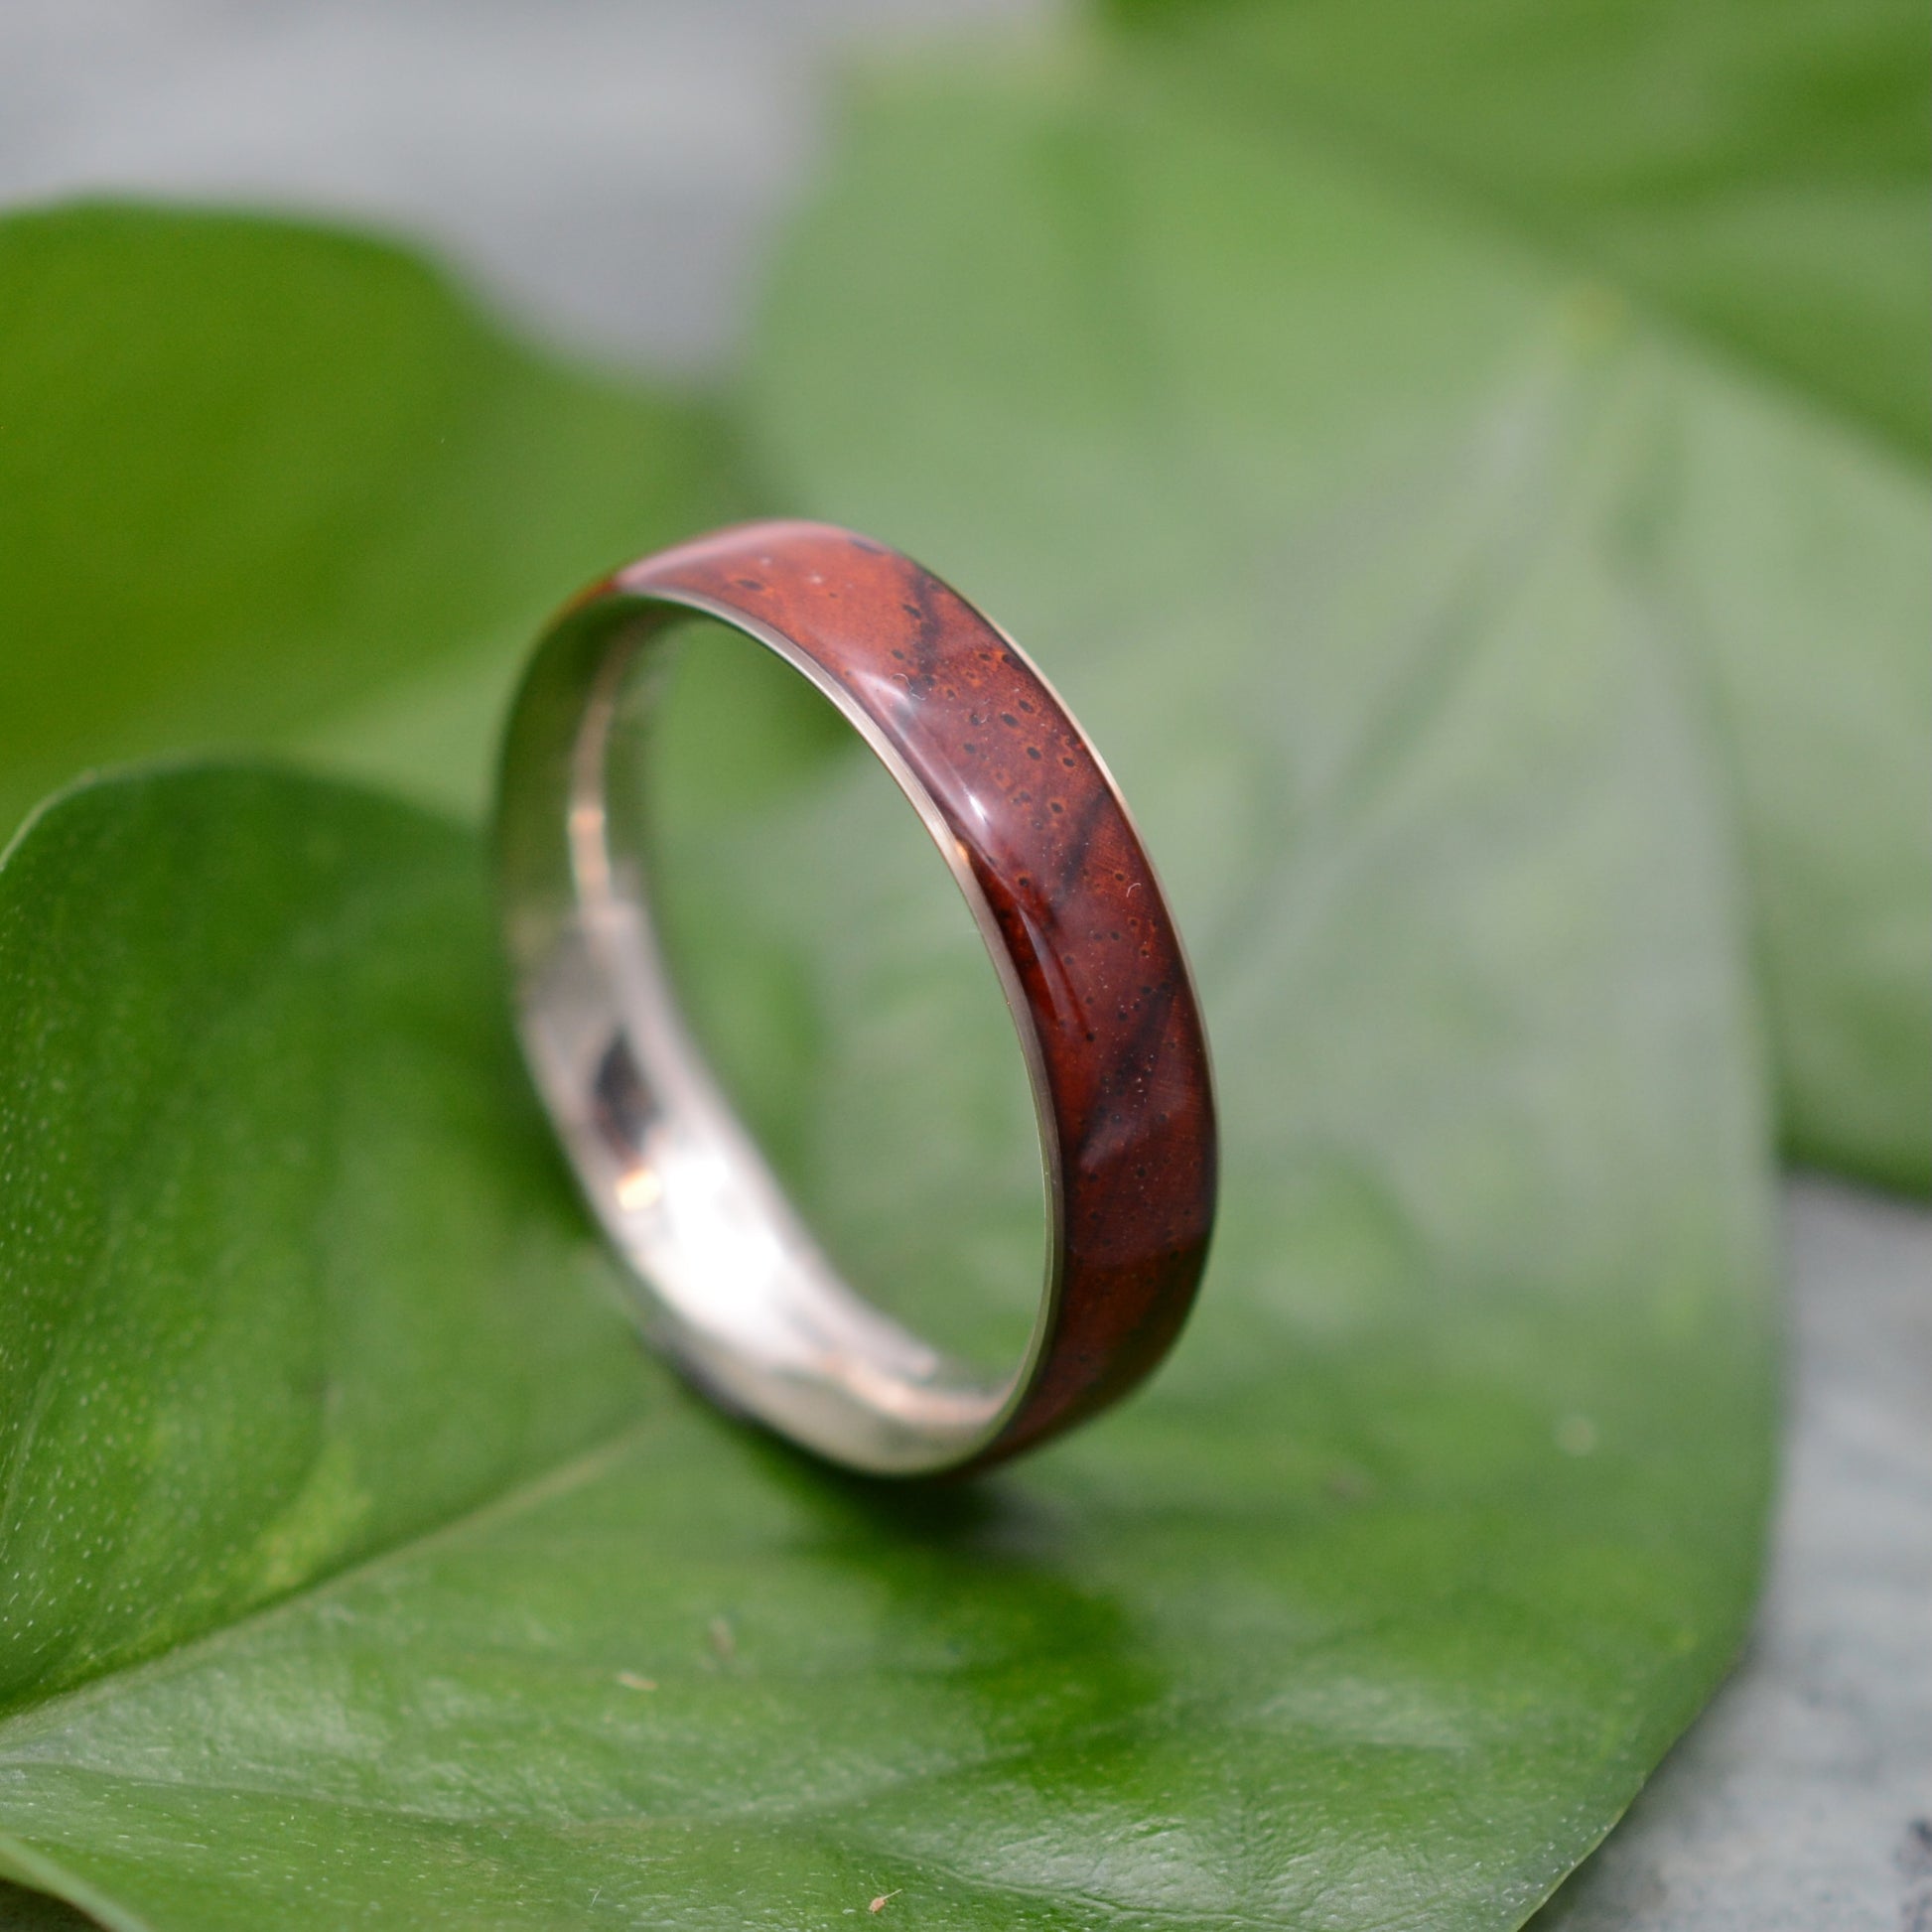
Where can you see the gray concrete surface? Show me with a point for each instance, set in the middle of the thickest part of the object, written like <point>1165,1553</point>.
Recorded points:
<point>608,170</point>
<point>606,167</point>
<point>1802,1800</point>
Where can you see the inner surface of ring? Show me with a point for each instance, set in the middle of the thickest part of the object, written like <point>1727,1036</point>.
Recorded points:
<point>755,1306</point>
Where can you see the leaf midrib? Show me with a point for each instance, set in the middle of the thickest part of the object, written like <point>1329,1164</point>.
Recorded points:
<point>584,1466</point>
<point>339,931</point>
<point>1411,176</point>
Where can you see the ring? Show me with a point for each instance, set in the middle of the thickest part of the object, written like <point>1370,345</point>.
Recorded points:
<point>732,1284</point>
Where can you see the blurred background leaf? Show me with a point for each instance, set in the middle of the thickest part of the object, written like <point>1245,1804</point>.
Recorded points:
<point>1754,178</point>
<point>1754,170</point>
<point>269,481</point>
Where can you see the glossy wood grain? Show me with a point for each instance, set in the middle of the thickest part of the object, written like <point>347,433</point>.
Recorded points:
<point>1119,1045</point>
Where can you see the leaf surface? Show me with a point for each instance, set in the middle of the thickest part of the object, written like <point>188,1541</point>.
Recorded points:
<point>1354,550</point>
<point>394,1582</point>
<point>267,481</point>
<point>1755,168</point>
<point>1755,179</point>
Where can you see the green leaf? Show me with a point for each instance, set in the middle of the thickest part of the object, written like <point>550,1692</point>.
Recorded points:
<point>291,1271</point>
<point>1757,168</point>
<point>1349,549</point>
<point>351,1536</point>
<point>1756,178</point>
<point>266,480</point>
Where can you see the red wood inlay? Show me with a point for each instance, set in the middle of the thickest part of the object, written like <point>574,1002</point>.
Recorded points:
<point>1076,903</point>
